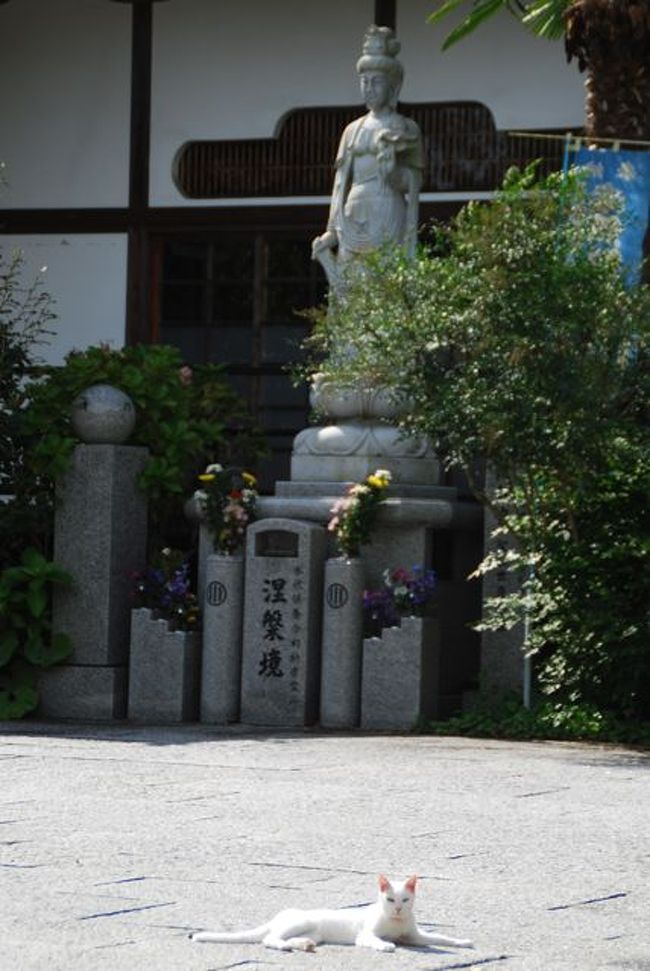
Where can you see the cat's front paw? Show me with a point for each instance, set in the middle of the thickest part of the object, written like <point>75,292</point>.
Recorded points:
<point>386,946</point>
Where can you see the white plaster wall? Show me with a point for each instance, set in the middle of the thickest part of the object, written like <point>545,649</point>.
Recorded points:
<point>86,276</point>
<point>524,80</point>
<point>231,69</point>
<point>65,103</point>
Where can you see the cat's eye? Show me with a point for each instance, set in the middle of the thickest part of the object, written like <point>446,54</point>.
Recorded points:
<point>405,900</point>
<point>391,900</point>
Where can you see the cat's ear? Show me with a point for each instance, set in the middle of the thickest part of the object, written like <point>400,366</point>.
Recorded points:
<point>384,884</point>
<point>410,884</point>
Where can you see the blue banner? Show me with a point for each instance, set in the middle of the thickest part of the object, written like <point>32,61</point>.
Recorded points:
<point>628,173</point>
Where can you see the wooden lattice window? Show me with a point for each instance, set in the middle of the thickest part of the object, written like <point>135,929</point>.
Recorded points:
<point>463,150</point>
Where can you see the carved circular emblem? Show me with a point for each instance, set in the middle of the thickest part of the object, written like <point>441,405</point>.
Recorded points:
<point>337,596</point>
<point>216,593</point>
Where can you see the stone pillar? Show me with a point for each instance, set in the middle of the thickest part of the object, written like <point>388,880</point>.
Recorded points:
<point>164,669</point>
<point>282,623</point>
<point>401,676</point>
<point>100,539</point>
<point>340,701</point>
<point>222,608</point>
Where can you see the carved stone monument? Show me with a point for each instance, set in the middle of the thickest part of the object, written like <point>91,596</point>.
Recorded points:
<point>282,623</point>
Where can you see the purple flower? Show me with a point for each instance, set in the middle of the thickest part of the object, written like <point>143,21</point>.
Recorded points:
<point>404,592</point>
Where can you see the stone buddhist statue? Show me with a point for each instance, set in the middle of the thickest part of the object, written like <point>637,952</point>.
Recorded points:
<point>378,168</point>
<point>374,203</point>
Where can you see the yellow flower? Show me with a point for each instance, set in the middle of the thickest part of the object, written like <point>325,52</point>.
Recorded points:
<point>380,479</point>
<point>376,482</point>
<point>249,479</point>
<point>207,477</point>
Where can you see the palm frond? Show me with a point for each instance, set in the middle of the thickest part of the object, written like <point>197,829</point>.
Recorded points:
<point>546,18</point>
<point>481,10</point>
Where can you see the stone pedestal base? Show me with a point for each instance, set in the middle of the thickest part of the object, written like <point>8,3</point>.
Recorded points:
<point>351,451</point>
<point>417,525</point>
<point>83,693</point>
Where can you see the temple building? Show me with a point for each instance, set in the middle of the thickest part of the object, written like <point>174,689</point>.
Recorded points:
<point>169,162</point>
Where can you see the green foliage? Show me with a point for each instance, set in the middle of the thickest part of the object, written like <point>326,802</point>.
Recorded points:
<point>27,640</point>
<point>507,718</point>
<point>546,18</point>
<point>25,313</point>
<point>183,417</point>
<point>518,345</point>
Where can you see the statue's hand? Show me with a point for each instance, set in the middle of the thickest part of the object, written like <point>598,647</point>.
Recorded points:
<point>327,241</point>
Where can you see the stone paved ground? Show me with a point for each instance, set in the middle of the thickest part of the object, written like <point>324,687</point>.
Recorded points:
<point>116,842</point>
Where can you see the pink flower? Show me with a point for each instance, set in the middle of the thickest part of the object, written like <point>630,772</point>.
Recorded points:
<point>185,375</point>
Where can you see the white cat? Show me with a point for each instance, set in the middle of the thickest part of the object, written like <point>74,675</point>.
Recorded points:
<point>382,925</point>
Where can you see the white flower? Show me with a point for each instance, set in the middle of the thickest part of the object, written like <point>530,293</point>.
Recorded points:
<point>627,172</point>
<point>201,498</point>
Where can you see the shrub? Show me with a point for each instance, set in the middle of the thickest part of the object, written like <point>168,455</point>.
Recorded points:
<point>184,416</point>
<point>518,344</point>
<point>25,314</point>
<point>27,641</point>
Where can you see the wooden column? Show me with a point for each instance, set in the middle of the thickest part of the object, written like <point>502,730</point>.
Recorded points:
<point>137,300</point>
<point>386,13</point>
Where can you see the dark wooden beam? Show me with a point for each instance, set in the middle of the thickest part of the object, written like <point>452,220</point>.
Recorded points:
<point>64,221</point>
<point>184,219</point>
<point>386,13</point>
<point>137,287</point>
<point>141,48</point>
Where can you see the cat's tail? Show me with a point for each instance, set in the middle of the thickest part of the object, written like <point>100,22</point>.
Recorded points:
<point>254,936</point>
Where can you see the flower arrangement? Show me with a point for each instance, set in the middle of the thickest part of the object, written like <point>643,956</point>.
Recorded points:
<point>353,515</point>
<point>404,593</point>
<point>227,500</point>
<point>411,589</point>
<point>165,588</point>
<point>379,611</point>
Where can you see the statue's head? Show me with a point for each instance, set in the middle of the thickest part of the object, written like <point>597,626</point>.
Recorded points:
<point>379,56</point>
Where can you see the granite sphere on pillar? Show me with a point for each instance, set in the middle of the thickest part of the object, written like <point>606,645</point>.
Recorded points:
<point>103,415</point>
